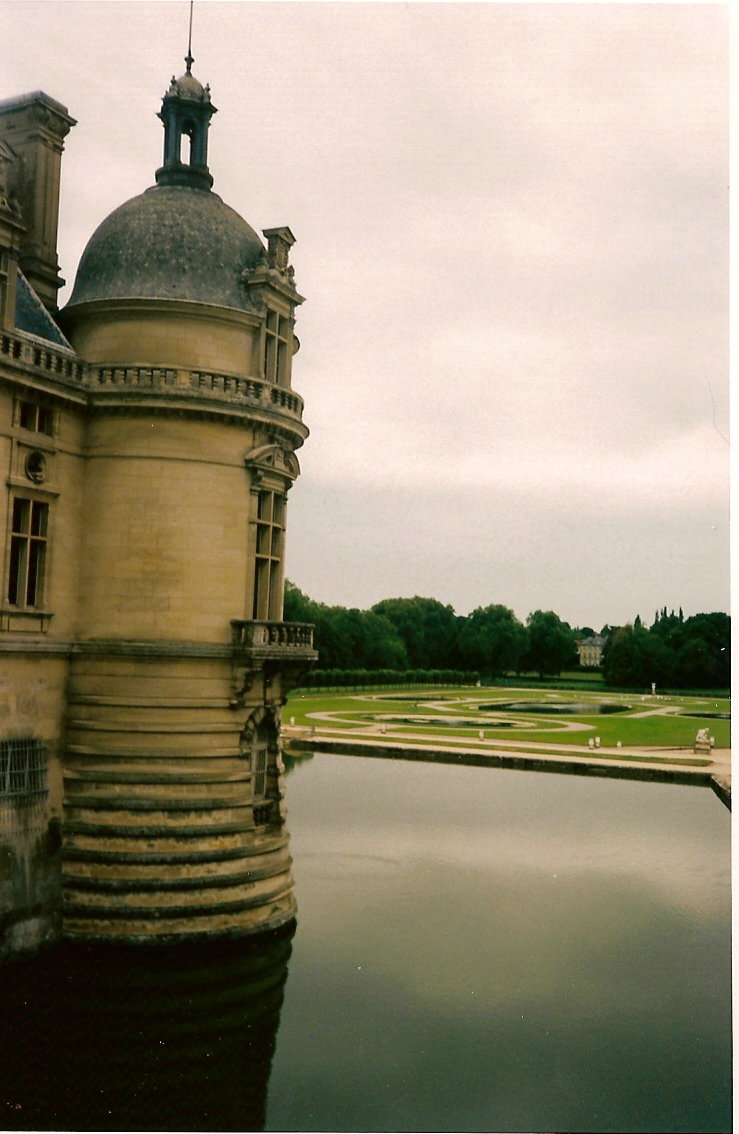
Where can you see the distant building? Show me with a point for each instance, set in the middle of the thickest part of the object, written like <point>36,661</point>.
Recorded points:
<point>148,435</point>
<point>590,650</point>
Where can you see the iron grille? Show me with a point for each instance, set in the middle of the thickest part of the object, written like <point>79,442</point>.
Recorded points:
<point>23,768</point>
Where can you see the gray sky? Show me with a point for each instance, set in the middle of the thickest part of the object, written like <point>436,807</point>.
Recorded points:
<point>512,225</point>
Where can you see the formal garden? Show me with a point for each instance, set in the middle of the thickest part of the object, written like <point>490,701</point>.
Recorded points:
<point>470,714</point>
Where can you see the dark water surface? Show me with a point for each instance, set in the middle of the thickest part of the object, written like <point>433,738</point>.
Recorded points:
<point>476,949</point>
<point>484,949</point>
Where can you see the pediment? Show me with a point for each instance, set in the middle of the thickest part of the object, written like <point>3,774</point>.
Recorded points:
<point>273,458</point>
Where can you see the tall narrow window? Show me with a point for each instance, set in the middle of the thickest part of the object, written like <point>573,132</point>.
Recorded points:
<point>267,564</point>
<point>276,348</point>
<point>263,803</point>
<point>28,536</point>
<point>259,764</point>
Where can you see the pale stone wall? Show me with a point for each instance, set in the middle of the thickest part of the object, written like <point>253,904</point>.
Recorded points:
<point>34,663</point>
<point>32,705</point>
<point>62,488</point>
<point>166,522</point>
<point>171,333</point>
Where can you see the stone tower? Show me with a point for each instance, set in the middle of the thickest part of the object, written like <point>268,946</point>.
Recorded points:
<point>167,434</point>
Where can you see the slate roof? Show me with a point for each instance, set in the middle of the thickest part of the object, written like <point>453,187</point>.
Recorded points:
<point>31,315</point>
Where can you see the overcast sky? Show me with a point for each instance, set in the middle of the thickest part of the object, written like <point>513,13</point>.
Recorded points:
<point>512,226</point>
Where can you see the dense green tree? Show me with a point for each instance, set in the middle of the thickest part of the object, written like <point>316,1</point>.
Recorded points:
<point>703,649</point>
<point>635,658</point>
<point>347,638</point>
<point>427,628</point>
<point>692,653</point>
<point>492,640</point>
<point>550,646</point>
<point>297,606</point>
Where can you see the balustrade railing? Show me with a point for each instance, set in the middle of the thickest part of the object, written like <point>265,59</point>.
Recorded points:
<point>57,362</point>
<point>250,390</point>
<point>283,635</point>
<point>62,364</point>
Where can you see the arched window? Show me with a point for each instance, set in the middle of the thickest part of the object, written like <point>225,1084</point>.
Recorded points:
<point>260,747</point>
<point>188,131</point>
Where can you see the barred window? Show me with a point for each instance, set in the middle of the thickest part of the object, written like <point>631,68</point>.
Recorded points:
<point>22,768</point>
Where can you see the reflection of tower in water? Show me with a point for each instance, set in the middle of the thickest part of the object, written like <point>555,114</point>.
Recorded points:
<point>125,1038</point>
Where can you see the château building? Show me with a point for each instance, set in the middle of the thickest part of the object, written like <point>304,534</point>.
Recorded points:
<point>148,433</point>
<point>590,650</point>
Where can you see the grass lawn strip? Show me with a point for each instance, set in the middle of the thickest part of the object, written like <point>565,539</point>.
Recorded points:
<point>390,740</point>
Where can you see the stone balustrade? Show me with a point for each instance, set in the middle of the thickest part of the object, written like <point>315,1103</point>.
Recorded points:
<point>63,366</point>
<point>250,391</point>
<point>54,361</point>
<point>248,634</point>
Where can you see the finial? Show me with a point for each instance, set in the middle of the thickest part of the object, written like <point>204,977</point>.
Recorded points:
<point>188,58</point>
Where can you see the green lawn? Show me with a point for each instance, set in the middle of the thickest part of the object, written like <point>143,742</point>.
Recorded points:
<point>396,710</point>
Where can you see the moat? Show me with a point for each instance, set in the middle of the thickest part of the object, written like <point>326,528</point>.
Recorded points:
<point>476,949</point>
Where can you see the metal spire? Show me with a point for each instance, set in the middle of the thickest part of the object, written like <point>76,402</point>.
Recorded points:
<point>188,58</point>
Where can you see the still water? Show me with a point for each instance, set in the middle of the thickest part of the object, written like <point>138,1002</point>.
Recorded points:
<point>476,949</point>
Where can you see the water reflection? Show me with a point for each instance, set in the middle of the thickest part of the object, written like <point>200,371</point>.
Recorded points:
<point>142,1038</point>
<point>487,949</point>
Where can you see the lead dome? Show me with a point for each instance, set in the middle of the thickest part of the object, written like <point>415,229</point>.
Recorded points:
<point>170,242</point>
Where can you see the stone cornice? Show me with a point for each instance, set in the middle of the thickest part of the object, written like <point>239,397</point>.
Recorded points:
<point>99,309</point>
<point>114,646</point>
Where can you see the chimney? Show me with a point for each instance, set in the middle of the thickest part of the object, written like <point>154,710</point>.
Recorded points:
<point>34,127</point>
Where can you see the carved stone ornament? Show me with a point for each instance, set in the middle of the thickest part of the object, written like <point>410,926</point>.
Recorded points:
<point>273,458</point>
<point>268,715</point>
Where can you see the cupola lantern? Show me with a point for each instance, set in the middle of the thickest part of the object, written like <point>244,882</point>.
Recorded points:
<point>186,113</point>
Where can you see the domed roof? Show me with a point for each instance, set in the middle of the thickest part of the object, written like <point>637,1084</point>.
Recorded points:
<point>171,242</point>
<point>187,86</point>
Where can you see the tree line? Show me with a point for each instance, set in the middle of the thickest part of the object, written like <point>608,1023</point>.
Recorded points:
<point>402,634</point>
<point>408,638</point>
<point>674,652</point>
